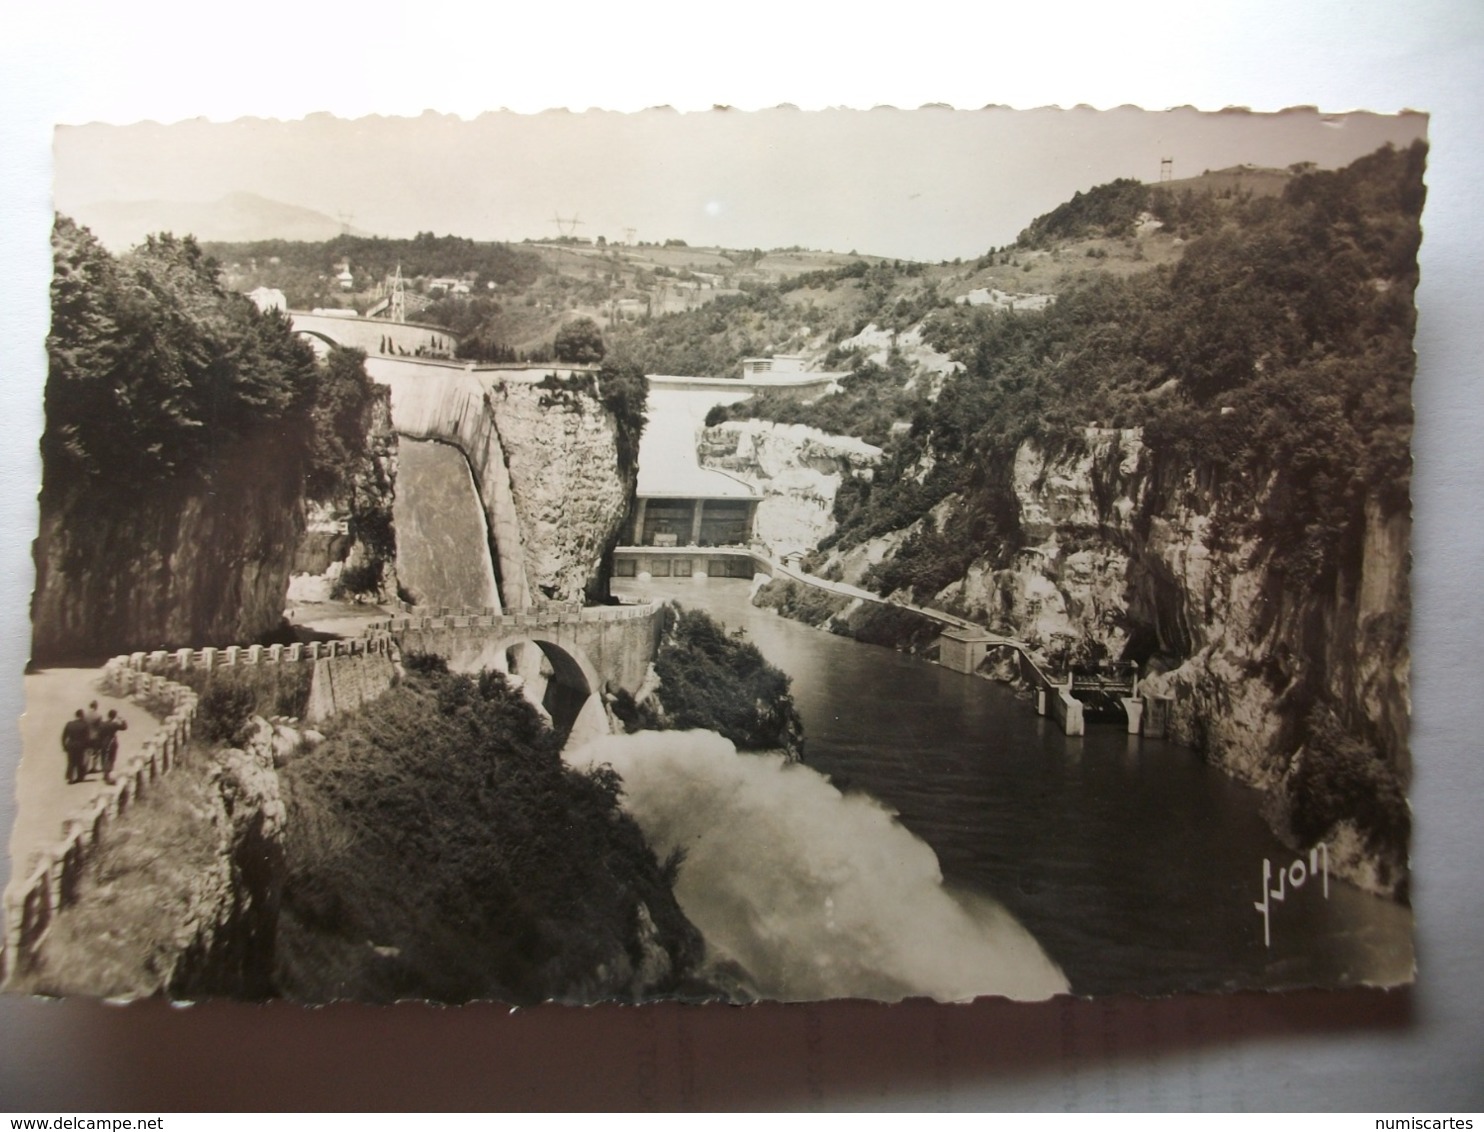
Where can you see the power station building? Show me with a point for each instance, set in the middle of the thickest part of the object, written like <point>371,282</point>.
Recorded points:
<point>680,513</point>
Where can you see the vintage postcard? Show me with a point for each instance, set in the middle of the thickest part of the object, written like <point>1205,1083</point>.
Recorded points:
<point>723,556</point>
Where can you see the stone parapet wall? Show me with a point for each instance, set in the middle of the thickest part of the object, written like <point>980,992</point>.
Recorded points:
<point>163,660</point>
<point>349,683</point>
<point>528,617</point>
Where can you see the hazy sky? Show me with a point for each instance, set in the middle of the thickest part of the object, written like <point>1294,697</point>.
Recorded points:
<point>925,184</point>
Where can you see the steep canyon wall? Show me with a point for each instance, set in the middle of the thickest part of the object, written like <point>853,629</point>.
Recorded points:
<point>1122,557</point>
<point>349,545</point>
<point>204,559</point>
<point>797,470</point>
<point>545,463</point>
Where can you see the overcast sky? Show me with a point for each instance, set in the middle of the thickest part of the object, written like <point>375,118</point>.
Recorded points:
<point>924,184</point>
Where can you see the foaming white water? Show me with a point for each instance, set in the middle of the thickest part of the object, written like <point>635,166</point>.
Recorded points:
<point>814,893</point>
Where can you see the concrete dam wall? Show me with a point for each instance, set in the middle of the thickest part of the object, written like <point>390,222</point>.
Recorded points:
<point>544,461</point>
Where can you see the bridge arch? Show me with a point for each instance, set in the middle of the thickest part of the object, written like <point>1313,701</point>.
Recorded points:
<point>570,694</point>
<point>316,336</point>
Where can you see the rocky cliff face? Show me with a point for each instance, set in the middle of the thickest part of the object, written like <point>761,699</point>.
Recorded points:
<point>349,544</point>
<point>796,469</point>
<point>545,463</point>
<point>1121,558</point>
<point>191,562</point>
<point>570,495</point>
<point>234,905</point>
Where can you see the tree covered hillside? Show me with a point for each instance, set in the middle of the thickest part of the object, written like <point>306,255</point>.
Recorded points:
<point>1277,351</point>
<point>155,369</point>
<point>1202,467</point>
<point>182,425</point>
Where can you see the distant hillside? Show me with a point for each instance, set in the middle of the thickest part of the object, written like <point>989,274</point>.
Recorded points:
<point>235,217</point>
<point>1254,179</point>
<point>1123,208</point>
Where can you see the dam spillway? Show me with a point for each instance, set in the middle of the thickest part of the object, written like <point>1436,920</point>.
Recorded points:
<point>443,551</point>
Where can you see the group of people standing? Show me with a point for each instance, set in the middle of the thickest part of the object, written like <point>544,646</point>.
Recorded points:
<point>89,738</point>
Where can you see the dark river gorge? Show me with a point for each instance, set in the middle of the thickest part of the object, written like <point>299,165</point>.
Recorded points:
<point>1133,864</point>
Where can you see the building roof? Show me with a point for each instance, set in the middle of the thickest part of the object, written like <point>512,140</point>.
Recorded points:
<point>672,481</point>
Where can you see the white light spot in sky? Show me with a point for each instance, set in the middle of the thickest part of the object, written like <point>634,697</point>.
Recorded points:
<point>713,208</point>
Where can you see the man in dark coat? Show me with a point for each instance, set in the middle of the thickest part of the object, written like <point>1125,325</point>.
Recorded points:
<point>76,736</point>
<point>108,740</point>
<point>94,719</point>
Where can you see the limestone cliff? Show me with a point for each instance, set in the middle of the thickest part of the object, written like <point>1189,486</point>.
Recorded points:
<point>232,931</point>
<point>1122,558</point>
<point>197,560</point>
<point>545,460</point>
<point>570,493</point>
<point>349,544</point>
<point>797,469</point>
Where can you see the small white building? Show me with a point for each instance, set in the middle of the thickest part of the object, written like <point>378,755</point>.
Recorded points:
<point>778,363</point>
<point>268,299</point>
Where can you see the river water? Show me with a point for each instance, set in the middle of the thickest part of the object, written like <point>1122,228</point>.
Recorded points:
<point>1132,863</point>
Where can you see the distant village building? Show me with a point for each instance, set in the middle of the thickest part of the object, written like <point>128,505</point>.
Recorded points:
<point>778,363</point>
<point>268,299</point>
<point>449,286</point>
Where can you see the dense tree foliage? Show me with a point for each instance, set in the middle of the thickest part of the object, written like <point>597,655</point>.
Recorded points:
<point>873,400</point>
<point>712,340</point>
<point>376,257</point>
<point>441,824</point>
<point>156,369</point>
<point>799,602</point>
<point>1106,210</point>
<point>625,393</point>
<point>1276,356</point>
<point>579,341</point>
<point>721,683</point>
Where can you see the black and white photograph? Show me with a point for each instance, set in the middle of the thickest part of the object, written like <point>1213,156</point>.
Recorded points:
<point>723,556</point>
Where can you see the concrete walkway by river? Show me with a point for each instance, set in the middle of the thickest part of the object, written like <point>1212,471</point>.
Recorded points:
<point>44,799</point>
<point>845,589</point>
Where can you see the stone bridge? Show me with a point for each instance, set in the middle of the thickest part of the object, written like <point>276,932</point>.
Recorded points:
<point>565,655</point>
<point>373,334</point>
